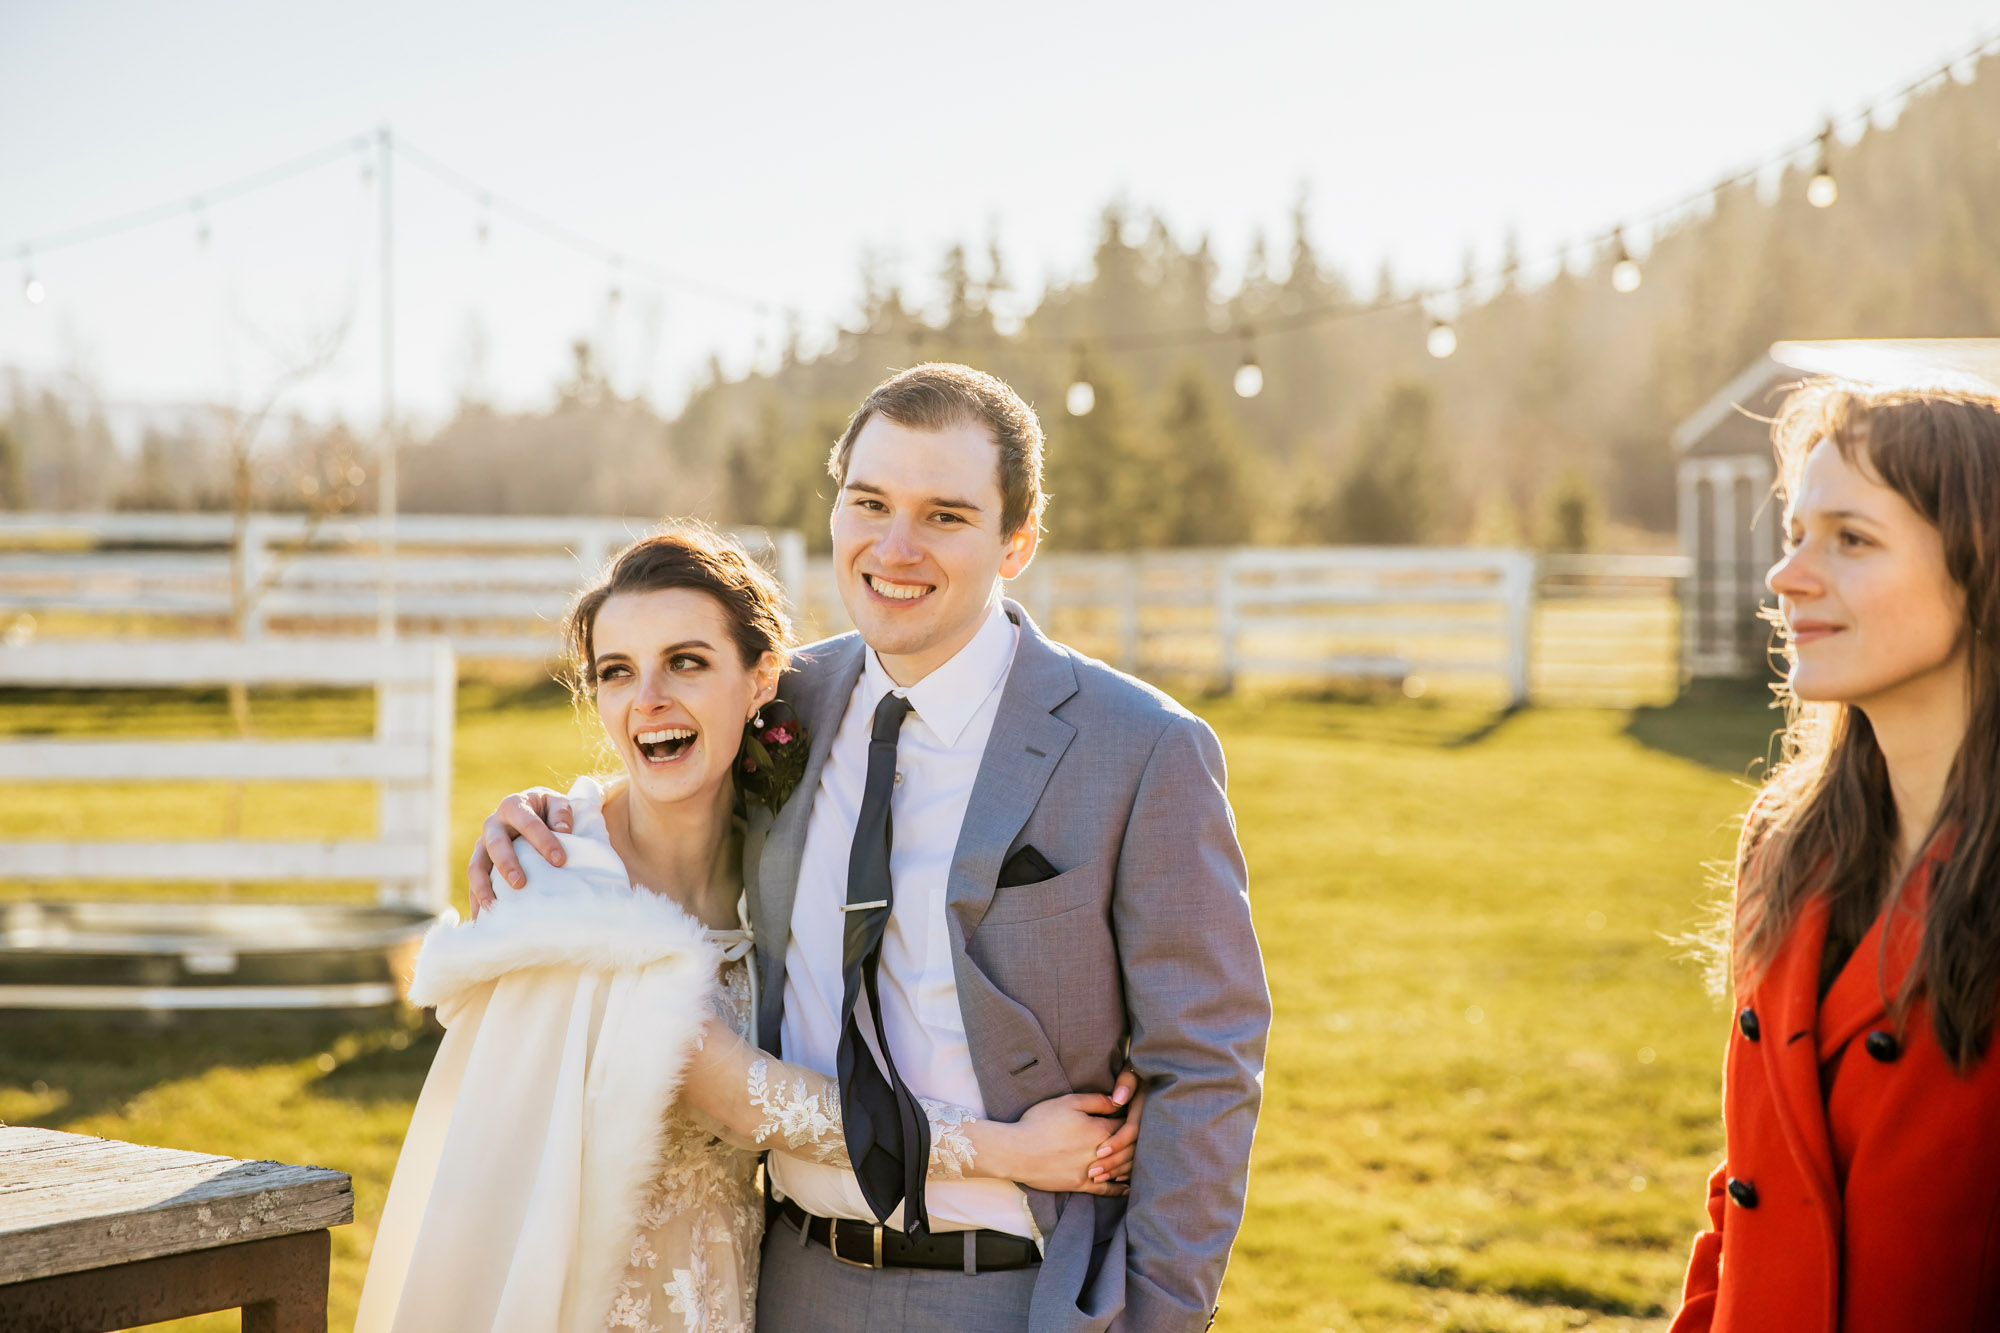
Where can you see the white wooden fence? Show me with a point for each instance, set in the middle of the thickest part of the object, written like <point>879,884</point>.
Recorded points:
<point>496,587</point>
<point>1608,628</point>
<point>1396,614</point>
<point>409,757</point>
<point>1571,629</point>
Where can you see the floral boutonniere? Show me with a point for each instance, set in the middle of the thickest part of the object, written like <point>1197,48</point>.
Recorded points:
<point>775,745</point>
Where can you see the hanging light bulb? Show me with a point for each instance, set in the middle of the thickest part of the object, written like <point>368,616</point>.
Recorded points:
<point>1442,340</point>
<point>1249,375</point>
<point>1625,272</point>
<point>1823,189</point>
<point>1080,397</point>
<point>33,292</point>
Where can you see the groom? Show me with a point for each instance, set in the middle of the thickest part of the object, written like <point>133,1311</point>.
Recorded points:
<point>1017,870</point>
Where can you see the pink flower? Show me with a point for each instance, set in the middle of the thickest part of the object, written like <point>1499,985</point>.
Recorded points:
<point>778,735</point>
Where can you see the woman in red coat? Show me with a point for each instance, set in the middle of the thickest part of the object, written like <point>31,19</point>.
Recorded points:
<point>1861,1191</point>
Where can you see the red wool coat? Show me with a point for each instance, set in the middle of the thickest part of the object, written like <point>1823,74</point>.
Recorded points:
<point>1874,1208</point>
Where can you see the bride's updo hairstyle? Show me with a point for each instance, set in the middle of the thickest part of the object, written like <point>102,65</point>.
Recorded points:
<point>692,556</point>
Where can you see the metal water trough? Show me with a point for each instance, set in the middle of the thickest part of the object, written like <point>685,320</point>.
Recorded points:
<point>164,956</point>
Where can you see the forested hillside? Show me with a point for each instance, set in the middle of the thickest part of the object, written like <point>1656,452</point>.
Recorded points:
<point>1360,434</point>
<point>1558,399</point>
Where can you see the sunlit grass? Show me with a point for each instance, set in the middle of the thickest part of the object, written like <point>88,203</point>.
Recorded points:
<point>1493,1085</point>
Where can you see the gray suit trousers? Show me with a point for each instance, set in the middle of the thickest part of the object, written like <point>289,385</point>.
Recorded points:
<point>807,1290</point>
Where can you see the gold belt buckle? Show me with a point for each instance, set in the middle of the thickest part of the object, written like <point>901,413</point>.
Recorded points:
<point>833,1235</point>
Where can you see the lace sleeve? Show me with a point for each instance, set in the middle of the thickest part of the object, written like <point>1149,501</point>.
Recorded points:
<point>758,1101</point>
<point>800,1111</point>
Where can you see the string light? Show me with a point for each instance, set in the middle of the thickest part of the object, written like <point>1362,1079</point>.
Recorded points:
<point>1823,189</point>
<point>1442,340</point>
<point>1080,398</point>
<point>1625,272</point>
<point>1249,375</point>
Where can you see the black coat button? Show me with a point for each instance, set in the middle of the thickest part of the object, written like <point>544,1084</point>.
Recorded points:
<point>1743,1192</point>
<point>1747,1020</point>
<point>1883,1046</point>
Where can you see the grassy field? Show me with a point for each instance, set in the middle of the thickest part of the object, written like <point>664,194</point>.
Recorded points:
<point>1492,1095</point>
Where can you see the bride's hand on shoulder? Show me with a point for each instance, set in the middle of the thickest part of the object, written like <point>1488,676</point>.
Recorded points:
<point>1068,1144</point>
<point>537,814</point>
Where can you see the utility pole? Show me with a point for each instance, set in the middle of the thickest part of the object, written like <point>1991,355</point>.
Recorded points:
<point>385,479</point>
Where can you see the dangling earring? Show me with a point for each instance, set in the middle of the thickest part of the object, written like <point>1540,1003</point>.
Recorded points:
<point>757,720</point>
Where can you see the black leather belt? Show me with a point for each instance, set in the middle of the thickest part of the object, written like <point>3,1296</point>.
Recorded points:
<point>867,1245</point>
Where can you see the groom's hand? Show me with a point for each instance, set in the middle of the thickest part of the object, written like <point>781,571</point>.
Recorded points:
<point>1114,1155</point>
<point>536,814</point>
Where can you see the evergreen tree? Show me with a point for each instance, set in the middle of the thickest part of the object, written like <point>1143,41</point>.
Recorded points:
<point>13,470</point>
<point>961,300</point>
<point>1197,494</point>
<point>1390,495</point>
<point>1570,513</point>
<point>1093,473</point>
<point>743,483</point>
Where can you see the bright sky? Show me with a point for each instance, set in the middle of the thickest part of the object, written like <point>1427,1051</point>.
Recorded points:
<point>763,149</point>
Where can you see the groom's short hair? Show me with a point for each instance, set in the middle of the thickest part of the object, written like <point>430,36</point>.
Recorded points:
<point>939,395</point>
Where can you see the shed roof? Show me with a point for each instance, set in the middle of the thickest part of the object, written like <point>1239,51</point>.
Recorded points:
<point>1961,365</point>
<point>1721,427</point>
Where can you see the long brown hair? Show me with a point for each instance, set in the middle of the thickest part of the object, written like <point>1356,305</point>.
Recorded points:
<point>1826,820</point>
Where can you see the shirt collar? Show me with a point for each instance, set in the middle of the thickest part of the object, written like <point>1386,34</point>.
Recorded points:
<point>948,697</point>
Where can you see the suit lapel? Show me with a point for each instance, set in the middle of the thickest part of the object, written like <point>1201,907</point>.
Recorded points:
<point>819,690</point>
<point>1022,751</point>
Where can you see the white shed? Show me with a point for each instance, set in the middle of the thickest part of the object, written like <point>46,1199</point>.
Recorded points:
<point>1729,524</point>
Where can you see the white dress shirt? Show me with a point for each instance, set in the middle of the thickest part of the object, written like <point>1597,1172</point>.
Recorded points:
<point>937,758</point>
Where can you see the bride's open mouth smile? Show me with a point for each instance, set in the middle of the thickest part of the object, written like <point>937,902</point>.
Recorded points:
<point>664,745</point>
<point>890,590</point>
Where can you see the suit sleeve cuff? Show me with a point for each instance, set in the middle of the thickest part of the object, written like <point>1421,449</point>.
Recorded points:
<point>1152,1310</point>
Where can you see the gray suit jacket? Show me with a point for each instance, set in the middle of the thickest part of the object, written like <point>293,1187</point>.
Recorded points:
<point>1144,935</point>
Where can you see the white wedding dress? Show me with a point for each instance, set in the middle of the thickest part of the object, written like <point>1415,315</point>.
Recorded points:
<point>551,1178</point>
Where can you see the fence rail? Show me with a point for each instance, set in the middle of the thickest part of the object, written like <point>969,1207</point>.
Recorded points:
<point>409,758</point>
<point>1401,615</point>
<point>1561,628</point>
<point>495,587</point>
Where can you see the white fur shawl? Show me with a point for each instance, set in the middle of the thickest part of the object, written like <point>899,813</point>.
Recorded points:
<point>570,1009</point>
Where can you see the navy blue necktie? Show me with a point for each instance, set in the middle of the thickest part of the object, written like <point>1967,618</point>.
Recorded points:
<point>888,1135</point>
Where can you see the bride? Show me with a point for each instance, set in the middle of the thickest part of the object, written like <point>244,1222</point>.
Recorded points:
<point>584,1154</point>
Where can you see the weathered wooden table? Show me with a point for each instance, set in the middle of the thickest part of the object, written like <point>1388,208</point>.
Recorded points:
<point>97,1235</point>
